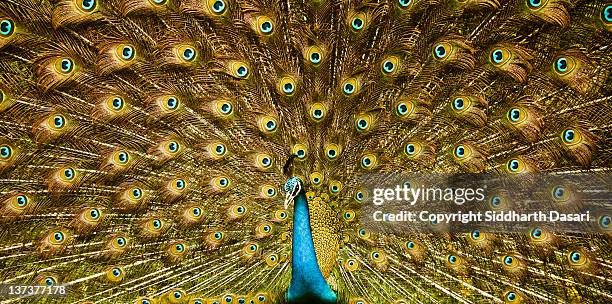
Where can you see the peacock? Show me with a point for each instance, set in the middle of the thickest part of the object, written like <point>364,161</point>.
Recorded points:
<point>212,151</point>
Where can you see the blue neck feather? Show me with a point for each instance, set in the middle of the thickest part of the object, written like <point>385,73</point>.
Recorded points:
<point>307,282</point>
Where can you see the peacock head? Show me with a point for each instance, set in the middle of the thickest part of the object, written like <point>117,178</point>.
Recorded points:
<point>293,186</point>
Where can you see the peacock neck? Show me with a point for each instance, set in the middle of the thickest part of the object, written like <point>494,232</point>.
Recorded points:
<point>307,282</point>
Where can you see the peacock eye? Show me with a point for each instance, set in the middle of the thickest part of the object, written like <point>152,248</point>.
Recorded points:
<point>180,184</point>
<point>270,125</point>
<point>315,57</point>
<point>157,224</point>
<point>50,281</point>
<point>220,149</point>
<point>223,108</point>
<point>226,108</point>
<point>266,27</point>
<point>606,14</point>
<point>117,103</point>
<point>569,136</point>
<point>362,232</point>
<point>5,151</point>
<point>66,65</point>
<point>173,146</point>
<point>127,52</point>
<point>264,161</point>
<point>300,151</point>
<point>459,104</point>
<point>441,50</point>
<point>515,165</point>
<point>287,85</point>
<point>368,161</point>
<point>59,121</point>
<point>402,109</point>
<point>22,200</point>
<point>331,152</point>
<point>535,4</point>
<point>349,88</point>
<point>410,245</point>
<point>228,299</point>
<point>7,27</point>
<point>94,213</point>
<point>189,54</point>
<point>160,1</point>
<point>261,298</point>
<point>564,65</point>
<point>68,174</point>
<point>410,149</point>
<point>88,5</point>
<point>561,65</point>
<point>218,235</point>
<point>495,201</point>
<point>136,193</point>
<point>217,6</point>
<point>605,221</point>
<point>389,65</point>
<point>58,236</point>
<point>171,102</point>
<point>452,259</point>
<point>179,249</point>
<point>497,56</point>
<point>357,23</point>
<point>559,192</point>
<point>575,257</point>
<point>242,71</point>
<point>123,157</point>
<point>363,122</point>
<point>508,260</point>
<point>460,151</point>
<point>511,296</point>
<point>536,233</point>
<point>121,241</point>
<point>335,187</point>
<point>359,196</point>
<point>317,111</point>
<point>514,115</point>
<point>476,234</point>
<point>405,3</point>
